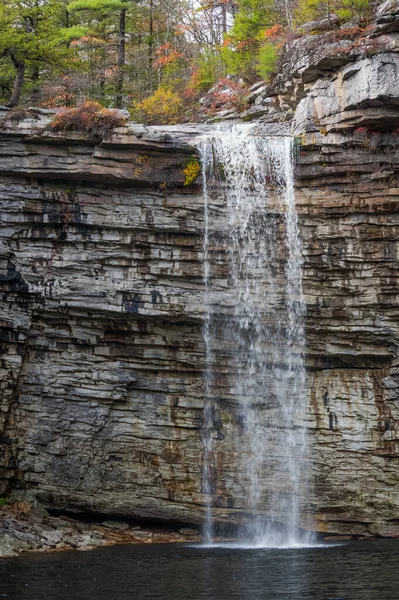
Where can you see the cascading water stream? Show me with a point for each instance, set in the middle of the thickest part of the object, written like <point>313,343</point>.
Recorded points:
<point>254,322</point>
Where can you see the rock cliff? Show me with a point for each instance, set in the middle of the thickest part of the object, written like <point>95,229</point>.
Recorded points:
<point>102,297</point>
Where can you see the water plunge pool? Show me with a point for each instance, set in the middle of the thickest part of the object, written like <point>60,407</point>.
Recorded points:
<point>363,570</point>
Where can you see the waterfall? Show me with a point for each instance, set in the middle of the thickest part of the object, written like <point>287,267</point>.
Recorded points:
<point>254,327</point>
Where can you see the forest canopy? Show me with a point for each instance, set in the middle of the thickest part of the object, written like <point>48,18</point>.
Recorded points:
<point>153,57</point>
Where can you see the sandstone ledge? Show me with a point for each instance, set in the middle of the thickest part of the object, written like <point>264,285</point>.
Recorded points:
<point>134,154</point>
<point>28,527</point>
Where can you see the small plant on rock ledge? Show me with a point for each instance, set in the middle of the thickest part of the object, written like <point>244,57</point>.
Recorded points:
<point>89,117</point>
<point>191,171</point>
<point>16,115</point>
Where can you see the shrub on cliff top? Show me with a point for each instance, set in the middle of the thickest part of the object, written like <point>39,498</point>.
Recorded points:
<point>163,107</point>
<point>89,117</point>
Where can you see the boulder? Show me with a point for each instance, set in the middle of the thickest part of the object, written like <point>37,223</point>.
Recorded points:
<point>326,24</point>
<point>387,18</point>
<point>362,94</point>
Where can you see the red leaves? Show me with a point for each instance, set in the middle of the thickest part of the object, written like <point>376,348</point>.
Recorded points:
<point>226,93</point>
<point>167,55</point>
<point>89,117</point>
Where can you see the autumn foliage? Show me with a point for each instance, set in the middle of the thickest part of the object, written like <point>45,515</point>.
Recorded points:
<point>89,117</point>
<point>191,171</point>
<point>159,55</point>
<point>228,94</point>
<point>166,55</point>
<point>163,107</point>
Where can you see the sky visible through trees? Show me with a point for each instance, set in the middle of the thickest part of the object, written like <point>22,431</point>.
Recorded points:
<point>153,57</point>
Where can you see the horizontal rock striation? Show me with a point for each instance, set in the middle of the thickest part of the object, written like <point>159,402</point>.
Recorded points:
<point>348,194</point>
<point>101,324</point>
<point>102,304</point>
<point>361,94</point>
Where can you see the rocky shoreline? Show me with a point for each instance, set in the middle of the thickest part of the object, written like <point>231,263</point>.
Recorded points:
<point>26,526</point>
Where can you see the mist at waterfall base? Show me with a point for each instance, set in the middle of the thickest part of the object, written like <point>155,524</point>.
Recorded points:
<point>254,323</point>
<point>353,571</point>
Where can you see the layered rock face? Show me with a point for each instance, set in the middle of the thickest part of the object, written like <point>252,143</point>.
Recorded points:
<point>102,306</point>
<point>101,317</point>
<point>102,309</point>
<point>347,194</point>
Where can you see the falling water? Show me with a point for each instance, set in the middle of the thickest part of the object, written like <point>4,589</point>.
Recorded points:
<point>254,324</point>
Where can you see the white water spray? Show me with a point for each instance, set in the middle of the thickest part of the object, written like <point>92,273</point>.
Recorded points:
<point>260,330</point>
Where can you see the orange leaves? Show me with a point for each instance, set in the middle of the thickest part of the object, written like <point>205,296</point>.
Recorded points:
<point>274,33</point>
<point>181,29</point>
<point>167,55</point>
<point>228,94</point>
<point>89,117</point>
<point>88,41</point>
<point>243,44</point>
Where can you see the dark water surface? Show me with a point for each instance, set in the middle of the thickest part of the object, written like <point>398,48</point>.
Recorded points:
<point>354,571</point>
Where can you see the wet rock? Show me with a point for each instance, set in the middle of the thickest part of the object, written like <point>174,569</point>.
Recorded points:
<point>72,540</point>
<point>117,525</point>
<point>142,535</point>
<point>10,546</point>
<point>52,538</point>
<point>103,356</point>
<point>37,514</point>
<point>188,531</point>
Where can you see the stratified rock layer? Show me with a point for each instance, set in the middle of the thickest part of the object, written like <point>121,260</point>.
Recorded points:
<point>348,197</point>
<point>102,309</point>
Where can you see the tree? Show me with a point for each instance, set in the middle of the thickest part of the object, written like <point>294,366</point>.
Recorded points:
<point>311,10</point>
<point>104,9</point>
<point>30,41</point>
<point>240,50</point>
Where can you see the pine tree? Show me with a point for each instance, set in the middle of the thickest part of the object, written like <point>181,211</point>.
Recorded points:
<point>114,9</point>
<point>30,42</point>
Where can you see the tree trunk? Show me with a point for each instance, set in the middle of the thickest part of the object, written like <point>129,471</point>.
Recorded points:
<point>121,60</point>
<point>151,47</point>
<point>224,17</point>
<point>288,14</point>
<point>18,82</point>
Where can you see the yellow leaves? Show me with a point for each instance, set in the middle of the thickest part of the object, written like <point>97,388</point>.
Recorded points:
<point>191,171</point>
<point>162,108</point>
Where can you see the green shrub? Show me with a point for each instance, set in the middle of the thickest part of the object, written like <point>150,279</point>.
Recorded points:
<point>312,10</point>
<point>267,60</point>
